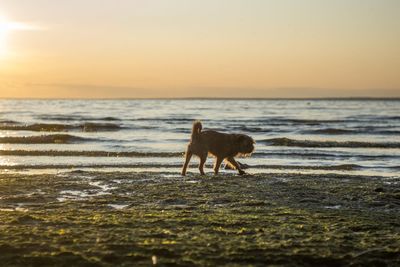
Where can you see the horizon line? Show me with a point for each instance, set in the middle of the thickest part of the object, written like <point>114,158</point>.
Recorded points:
<point>205,98</point>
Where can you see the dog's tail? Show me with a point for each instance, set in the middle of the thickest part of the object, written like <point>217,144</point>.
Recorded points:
<point>196,129</point>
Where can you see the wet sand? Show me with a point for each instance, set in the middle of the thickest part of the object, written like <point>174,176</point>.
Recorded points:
<point>131,219</point>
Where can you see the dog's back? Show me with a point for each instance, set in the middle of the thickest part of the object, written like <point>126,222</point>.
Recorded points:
<point>213,142</point>
<point>216,143</point>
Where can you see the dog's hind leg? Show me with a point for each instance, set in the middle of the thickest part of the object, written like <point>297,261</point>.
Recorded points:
<point>203,159</point>
<point>187,159</point>
<point>236,165</point>
<point>217,164</point>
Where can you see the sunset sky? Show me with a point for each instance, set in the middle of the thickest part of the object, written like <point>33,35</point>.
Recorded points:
<point>204,48</point>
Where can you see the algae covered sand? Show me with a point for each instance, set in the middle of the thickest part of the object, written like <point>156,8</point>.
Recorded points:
<point>130,219</point>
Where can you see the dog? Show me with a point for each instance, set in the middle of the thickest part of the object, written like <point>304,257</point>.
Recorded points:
<point>222,146</point>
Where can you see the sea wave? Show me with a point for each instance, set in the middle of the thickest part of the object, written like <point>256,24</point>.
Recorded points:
<point>373,118</point>
<point>344,167</point>
<point>8,122</point>
<point>43,139</point>
<point>313,155</point>
<point>282,121</point>
<point>338,131</point>
<point>310,122</point>
<point>54,127</point>
<point>68,153</point>
<point>252,129</point>
<point>165,119</point>
<point>96,127</point>
<point>311,143</point>
<point>333,131</point>
<point>59,117</point>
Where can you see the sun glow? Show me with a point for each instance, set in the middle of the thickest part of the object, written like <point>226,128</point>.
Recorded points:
<point>6,27</point>
<point>3,34</point>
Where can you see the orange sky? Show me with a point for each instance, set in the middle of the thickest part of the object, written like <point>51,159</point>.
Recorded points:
<point>209,48</point>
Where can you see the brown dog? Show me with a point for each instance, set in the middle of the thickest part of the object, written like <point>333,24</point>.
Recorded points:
<point>221,145</point>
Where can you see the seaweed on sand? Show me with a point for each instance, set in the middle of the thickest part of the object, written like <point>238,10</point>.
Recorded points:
<point>107,219</point>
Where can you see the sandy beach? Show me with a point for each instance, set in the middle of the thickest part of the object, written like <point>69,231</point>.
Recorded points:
<point>83,218</point>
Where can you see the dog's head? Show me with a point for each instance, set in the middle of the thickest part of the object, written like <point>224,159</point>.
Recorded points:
<point>245,144</point>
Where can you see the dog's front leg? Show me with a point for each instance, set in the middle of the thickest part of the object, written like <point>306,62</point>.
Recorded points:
<point>187,159</point>
<point>232,161</point>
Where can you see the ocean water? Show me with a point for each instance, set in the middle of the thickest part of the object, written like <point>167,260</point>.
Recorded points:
<point>357,137</point>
